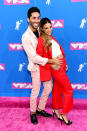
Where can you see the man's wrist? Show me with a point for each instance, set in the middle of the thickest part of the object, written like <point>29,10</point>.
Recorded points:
<point>50,61</point>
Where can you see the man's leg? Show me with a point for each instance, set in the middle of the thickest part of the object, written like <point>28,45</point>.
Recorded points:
<point>43,100</point>
<point>34,93</point>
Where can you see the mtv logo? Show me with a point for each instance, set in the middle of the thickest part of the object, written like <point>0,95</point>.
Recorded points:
<point>78,46</point>
<point>79,86</point>
<point>81,67</point>
<point>16,2</point>
<point>20,85</point>
<point>2,66</point>
<point>18,23</point>
<point>57,23</point>
<point>48,2</point>
<point>77,0</point>
<point>83,22</point>
<point>21,66</point>
<point>15,46</point>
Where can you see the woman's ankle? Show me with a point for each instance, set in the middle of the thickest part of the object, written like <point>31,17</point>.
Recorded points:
<point>65,117</point>
<point>56,111</point>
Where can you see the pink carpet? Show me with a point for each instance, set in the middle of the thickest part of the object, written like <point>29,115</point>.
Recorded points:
<point>15,116</point>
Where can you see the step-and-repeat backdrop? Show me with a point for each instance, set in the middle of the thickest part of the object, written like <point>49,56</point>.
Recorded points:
<point>69,20</point>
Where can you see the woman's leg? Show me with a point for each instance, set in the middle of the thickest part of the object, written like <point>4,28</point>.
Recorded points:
<point>56,95</point>
<point>63,82</point>
<point>56,99</point>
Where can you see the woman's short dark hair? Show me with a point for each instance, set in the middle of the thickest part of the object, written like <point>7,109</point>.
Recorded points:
<point>31,10</point>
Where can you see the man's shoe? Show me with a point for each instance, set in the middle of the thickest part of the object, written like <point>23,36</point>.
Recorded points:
<point>33,119</point>
<point>43,113</point>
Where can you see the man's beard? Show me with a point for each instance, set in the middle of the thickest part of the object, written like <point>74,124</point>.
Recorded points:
<point>34,26</point>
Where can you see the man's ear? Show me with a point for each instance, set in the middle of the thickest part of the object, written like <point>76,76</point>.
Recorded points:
<point>28,20</point>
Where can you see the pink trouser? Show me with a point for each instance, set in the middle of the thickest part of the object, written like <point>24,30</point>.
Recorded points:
<point>36,83</point>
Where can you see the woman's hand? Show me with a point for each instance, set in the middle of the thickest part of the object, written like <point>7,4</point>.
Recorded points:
<point>66,67</point>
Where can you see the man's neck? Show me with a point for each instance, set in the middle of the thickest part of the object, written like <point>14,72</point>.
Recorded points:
<point>33,30</point>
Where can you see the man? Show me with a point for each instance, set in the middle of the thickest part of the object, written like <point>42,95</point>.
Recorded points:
<point>29,41</point>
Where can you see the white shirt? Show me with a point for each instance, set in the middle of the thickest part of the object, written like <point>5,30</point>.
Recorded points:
<point>56,51</point>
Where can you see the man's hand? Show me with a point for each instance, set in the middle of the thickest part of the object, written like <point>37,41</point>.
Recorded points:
<point>57,61</point>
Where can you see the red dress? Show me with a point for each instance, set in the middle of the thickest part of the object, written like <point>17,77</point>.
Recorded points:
<point>62,94</point>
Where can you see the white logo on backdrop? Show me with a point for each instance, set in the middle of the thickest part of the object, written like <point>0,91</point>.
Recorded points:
<point>22,85</point>
<point>21,67</point>
<point>81,66</point>
<point>1,67</point>
<point>79,45</point>
<point>48,2</point>
<point>57,24</point>
<point>8,1</point>
<point>15,46</point>
<point>12,2</point>
<point>83,22</point>
<point>18,1</point>
<point>79,86</point>
<point>29,86</point>
<point>18,23</point>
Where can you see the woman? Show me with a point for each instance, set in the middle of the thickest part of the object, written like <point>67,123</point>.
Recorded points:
<point>49,47</point>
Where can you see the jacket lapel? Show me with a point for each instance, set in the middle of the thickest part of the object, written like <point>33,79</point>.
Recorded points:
<point>32,37</point>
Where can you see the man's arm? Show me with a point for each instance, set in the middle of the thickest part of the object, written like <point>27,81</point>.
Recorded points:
<point>31,53</point>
